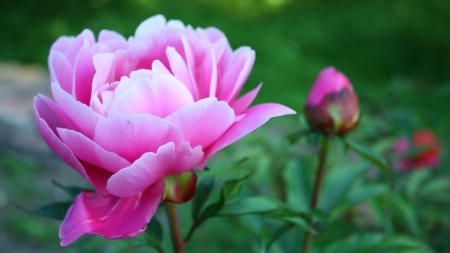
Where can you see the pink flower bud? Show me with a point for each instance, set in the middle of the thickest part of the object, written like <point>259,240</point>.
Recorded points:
<point>332,105</point>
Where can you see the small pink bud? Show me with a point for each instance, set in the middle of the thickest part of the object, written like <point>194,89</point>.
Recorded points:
<point>332,105</point>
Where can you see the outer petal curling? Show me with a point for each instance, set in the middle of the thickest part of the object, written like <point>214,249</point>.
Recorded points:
<point>109,216</point>
<point>73,109</point>
<point>152,167</point>
<point>254,118</point>
<point>45,109</point>
<point>89,151</point>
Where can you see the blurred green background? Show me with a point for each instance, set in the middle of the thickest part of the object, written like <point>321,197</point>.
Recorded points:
<point>395,52</point>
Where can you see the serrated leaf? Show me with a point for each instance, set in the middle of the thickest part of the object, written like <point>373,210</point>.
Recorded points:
<point>56,210</point>
<point>73,191</point>
<point>371,157</point>
<point>203,191</point>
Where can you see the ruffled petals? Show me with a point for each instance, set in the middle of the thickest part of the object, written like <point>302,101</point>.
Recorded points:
<point>109,216</point>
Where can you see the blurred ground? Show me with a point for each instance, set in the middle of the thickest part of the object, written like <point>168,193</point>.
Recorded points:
<point>27,165</point>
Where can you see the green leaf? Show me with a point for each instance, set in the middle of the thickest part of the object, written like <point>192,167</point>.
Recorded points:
<point>370,157</point>
<point>277,234</point>
<point>435,187</point>
<point>416,180</point>
<point>73,191</point>
<point>201,196</point>
<point>295,137</point>
<point>55,210</point>
<point>213,209</point>
<point>154,230</point>
<point>252,205</point>
<point>269,209</point>
<point>233,187</point>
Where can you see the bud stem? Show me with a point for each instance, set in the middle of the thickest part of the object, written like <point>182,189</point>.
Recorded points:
<point>177,239</point>
<point>323,153</point>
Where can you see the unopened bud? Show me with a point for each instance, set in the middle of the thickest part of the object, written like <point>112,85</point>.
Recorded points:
<point>332,105</point>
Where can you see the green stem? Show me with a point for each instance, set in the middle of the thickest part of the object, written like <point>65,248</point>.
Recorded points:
<point>177,239</point>
<point>323,153</point>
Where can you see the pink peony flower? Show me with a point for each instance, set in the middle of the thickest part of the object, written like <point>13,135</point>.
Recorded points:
<point>423,152</point>
<point>128,113</point>
<point>332,105</point>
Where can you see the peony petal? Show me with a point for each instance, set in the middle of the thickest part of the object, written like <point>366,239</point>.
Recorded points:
<point>159,96</point>
<point>104,64</point>
<point>84,74</point>
<point>235,73</point>
<point>152,167</point>
<point>241,104</point>
<point>71,52</point>
<point>254,118</point>
<point>150,25</point>
<point>157,66</point>
<point>98,176</point>
<point>109,216</point>
<point>48,119</point>
<point>179,69</point>
<point>175,24</point>
<point>89,151</point>
<point>132,135</point>
<point>107,35</point>
<point>204,121</point>
<point>60,70</point>
<point>82,115</point>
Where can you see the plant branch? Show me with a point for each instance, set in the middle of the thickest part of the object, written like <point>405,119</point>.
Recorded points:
<point>191,231</point>
<point>323,153</point>
<point>177,240</point>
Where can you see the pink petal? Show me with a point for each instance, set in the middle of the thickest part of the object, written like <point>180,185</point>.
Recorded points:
<point>190,63</point>
<point>109,216</point>
<point>179,69</point>
<point>71,52</point>
<point>62,43</point>
<point>82,115</point>
<point>175,24</point>
<point>84,73</point>
<point>149,26</point>
<point>235,73</point>
<point>87,150</point>
<point>152,167</point>
<point>214,34</point>
<point>159,96</point>
<point>60,70</point>
<point>132,135</point>
<point>107,35</point>
<point>47,117</point>
<point>254,118</point>
<point>241,104</point>
<point>104,64</point>
<point>157,66</point>
<point>98,176</point>
<point>204,121</point>
<point>329,80</point>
